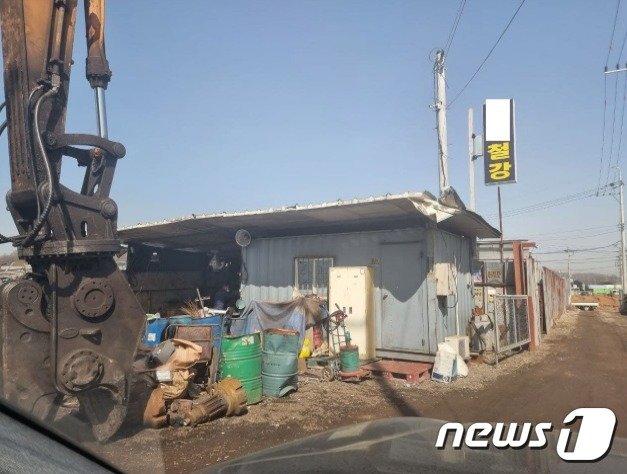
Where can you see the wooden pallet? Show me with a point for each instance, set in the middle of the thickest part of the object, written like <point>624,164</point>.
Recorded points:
<point>411,372</point>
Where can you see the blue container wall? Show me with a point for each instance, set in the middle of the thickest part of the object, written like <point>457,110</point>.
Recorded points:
<point>270,262</point>
<point>457,250</point>
<point>270,267</point>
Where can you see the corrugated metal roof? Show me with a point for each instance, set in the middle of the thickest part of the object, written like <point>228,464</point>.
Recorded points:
<point>208,231</point>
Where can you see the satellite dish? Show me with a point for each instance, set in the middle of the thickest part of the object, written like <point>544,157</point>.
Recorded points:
<point>243,238</point>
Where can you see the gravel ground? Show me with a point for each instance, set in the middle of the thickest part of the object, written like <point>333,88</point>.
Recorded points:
<point>318,406</point>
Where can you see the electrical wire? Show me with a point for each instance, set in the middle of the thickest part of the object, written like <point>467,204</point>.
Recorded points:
<point>561,232</point>
<point>577,250</point>
<point>616,160</point>
<point>451,35</point>
<point>577,237</point>
<point>609,49</point>
<point>609,258</point>
<point>607,60</point>
<point>511,20</point>
<point>622,48</point>
<point>622,119</point>
<point>610,159</point>
<point>603,130</point>
<point>551,203</point>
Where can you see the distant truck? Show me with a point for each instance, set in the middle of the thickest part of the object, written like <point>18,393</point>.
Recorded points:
<point>586,306</point>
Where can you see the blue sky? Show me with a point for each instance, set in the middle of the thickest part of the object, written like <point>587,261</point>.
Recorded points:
<point>239,105</point>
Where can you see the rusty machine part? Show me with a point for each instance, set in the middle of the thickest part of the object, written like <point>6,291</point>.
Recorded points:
<point>234,394</point>
<point>72,327</point>
<point>227,398</point>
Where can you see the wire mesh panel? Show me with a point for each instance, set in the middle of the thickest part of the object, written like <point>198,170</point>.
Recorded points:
<point>512,322</point>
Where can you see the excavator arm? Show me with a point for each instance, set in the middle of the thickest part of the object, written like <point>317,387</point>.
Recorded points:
<point>71,327</point>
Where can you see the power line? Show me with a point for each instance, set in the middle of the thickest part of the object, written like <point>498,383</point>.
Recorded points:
<point>609,49</point>
<point>577,237</point>
<point>609,258</point>
<point>622,48</point>
<point>608,270</point>
<point>614,226</point>
<point>451,35</point>
<point>607,59</point>
<point>561,248</point>
<point>594,264</point>
<point>576,250</point>
<point>622,117</point>
<point>511,20</point>
<point>604,127</point>
<point>552,203</point>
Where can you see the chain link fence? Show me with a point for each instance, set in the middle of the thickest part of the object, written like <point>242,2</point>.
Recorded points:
<point>511,323</point>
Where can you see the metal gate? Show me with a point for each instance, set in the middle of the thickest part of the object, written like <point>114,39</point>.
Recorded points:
<point>511,322</point>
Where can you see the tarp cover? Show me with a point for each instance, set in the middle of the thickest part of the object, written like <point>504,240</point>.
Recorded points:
<point>297,314</point>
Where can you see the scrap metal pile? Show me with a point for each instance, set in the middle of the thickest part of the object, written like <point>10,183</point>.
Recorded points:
<point>203,368</point>
<point>179,399</point>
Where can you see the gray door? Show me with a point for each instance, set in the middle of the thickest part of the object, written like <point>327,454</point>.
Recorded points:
<point>404,324</point>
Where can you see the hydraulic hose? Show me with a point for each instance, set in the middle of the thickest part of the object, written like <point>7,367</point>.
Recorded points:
<point>28,239</point>
<point>30,143</point>
<point>4,239</point>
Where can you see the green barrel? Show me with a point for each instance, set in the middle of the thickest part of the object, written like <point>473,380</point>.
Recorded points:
<point>241,359</point>
<point>279,370</point>
<point>349,358</point>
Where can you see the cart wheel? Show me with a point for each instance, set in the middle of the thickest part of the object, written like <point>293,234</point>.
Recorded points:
<point>327,374</point>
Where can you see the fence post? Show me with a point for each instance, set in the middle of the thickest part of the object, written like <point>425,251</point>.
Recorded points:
<point>532,324</point>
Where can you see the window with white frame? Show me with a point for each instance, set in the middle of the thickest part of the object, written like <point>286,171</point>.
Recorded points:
<point>311,275</point>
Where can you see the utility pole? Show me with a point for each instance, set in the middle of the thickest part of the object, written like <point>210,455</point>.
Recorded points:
<point>498,190</point>
<point>623,277</point>
<point>621,227</point>
<point>440,113</point>
<point>569,252</point>
<point>471,159</point>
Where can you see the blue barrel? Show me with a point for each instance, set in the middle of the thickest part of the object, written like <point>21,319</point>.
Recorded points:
<point>279,369</point>
<point>154,331</point>
<point>180,319</point>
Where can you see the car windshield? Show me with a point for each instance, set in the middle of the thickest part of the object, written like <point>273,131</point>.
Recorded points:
<point>244,224</point>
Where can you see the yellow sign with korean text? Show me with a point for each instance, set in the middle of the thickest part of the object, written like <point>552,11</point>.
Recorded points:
<point>499,152</point>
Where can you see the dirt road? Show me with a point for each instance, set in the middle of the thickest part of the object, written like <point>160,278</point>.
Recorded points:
<point>580,364</point>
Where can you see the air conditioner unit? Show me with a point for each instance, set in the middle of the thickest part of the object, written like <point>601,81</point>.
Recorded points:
<point>461,344</point>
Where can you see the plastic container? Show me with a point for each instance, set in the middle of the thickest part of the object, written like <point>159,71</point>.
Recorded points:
<point>155,330</point>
